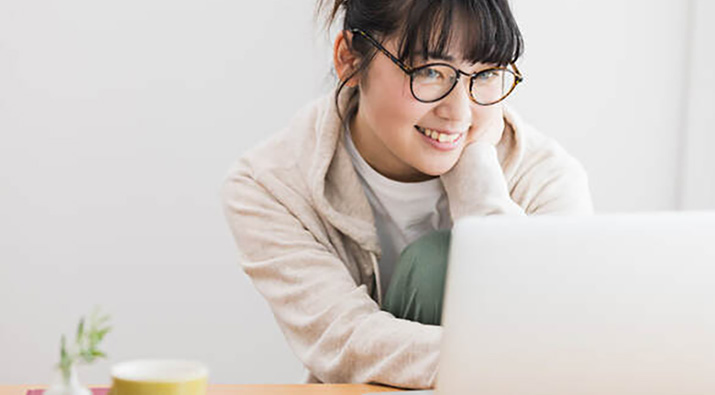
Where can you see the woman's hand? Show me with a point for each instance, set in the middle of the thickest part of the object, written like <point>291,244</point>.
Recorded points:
<point>489,131</point>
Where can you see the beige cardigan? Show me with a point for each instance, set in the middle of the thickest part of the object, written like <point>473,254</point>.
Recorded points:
<point>307,239</point>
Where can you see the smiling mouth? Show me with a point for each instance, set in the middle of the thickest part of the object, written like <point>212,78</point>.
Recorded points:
<point>438,136</point>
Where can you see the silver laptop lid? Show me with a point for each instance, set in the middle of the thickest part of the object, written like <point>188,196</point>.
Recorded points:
<point>614,304</point>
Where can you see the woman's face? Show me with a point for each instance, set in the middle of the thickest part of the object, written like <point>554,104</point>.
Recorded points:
<point>389,124</point>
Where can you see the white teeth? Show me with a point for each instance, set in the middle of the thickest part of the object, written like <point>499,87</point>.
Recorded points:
<point>441,137</point>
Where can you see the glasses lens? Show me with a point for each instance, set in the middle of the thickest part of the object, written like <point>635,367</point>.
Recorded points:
<point>433,82</point>
<point>491,86</point>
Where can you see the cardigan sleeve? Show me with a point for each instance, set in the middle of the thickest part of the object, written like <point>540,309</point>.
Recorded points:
<point>547,181</point>
<point>332,325</point>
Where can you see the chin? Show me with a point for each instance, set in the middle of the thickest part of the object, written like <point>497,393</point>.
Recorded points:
<point>437,169</point>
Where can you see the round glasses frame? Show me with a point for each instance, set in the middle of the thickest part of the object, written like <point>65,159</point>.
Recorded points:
<point>411,71</point>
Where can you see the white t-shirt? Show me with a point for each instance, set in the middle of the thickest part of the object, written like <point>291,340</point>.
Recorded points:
<point>404,211</point>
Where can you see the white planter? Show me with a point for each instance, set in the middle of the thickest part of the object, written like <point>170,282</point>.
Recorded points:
<point>69,387</point>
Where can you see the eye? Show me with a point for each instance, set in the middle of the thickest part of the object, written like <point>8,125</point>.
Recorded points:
<point>430,74</point>
<point>489,75</point>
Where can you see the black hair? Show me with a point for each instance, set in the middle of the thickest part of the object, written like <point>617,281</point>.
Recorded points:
<point>424,29</point>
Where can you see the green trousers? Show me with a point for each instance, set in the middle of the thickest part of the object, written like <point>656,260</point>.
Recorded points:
<point>416,289</point>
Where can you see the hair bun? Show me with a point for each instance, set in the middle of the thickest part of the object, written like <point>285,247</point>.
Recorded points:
<point>330,10</point>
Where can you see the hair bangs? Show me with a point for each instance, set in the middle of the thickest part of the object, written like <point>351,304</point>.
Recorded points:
<point>483,32</point>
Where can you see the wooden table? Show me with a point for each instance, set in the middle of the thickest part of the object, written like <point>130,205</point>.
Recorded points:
<point>254,389</point>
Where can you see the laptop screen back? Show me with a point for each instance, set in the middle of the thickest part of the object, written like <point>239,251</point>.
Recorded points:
<point>614,304</point>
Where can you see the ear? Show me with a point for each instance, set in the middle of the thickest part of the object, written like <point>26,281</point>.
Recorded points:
<point>345,60</point>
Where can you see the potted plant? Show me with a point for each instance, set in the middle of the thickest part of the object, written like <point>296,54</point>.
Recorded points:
<point>84,351</point>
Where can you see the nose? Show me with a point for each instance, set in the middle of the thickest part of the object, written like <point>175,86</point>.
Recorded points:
<point>456,107</point>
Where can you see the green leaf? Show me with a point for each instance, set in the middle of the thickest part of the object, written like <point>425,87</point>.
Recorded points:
<point>103,332</point>
<point>80,329</point>
<point>90,333</point>
<point>87,356</point>
<point>63,349</point>
<point>66,360</point>
<point>102,320</point>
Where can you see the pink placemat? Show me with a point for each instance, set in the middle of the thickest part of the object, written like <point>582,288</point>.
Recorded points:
<point>95,391</point>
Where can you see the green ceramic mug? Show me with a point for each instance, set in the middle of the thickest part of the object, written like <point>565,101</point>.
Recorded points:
<point>159,377</point>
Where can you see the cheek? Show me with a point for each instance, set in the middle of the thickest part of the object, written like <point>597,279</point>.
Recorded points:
<point>392,107</point>
<point>482,116</point>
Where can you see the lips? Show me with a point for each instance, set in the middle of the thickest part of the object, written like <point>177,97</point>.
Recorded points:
<point>436,135</point>
<point>440,131</point>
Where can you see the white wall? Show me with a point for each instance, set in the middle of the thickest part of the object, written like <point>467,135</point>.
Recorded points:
<point>697,180</point>
<point>606,78</point>
<point>118,122</point>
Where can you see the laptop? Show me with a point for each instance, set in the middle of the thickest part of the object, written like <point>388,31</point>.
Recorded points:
<point>610,304</point>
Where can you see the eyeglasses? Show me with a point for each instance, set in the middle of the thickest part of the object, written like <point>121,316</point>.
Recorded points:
<point>434,81</point>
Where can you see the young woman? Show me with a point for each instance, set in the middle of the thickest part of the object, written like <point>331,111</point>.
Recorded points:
<point>342,219</point>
